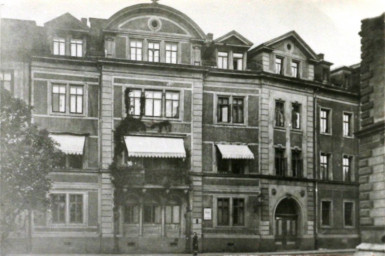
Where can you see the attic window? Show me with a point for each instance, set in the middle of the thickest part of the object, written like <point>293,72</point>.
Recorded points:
<point>288,46</point>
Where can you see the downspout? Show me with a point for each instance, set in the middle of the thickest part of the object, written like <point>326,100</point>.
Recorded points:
<point>315,178</point>
<point>100,69</point>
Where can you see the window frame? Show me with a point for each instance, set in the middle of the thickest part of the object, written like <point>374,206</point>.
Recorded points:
<point>126,217</point>
<point>77,96</point>
<point>170,59</point>
<point>280,70</point>
<point>238,59</point>
<point>153,99</point>
<point>77,42</point>
<point>349,123</point>
<point>67,85</point>
<point>276,124</point>
<point>329,174</point>
<point>350,166</point>
<point>222,223</point>
<point>223,60</point>
<point>330,225</point>
<point>230,105</point>
<point>172,206</point>
<point>61,42</point>
<point>235,223</point>
<point>67,213</point>
<point>282,160</point>
<point>11,81</point>
<point>299,162</point>
<point>353,215</point>
<point>153,50</point>
<point>230,211</point>
<point>293,105</point>
<point>136,51</point>
<point>60,85</point>
<point>328,120</point>
<point>173,101</point>
<point>297,68</point>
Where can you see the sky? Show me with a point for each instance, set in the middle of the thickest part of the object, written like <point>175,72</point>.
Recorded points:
<point>328,26</point>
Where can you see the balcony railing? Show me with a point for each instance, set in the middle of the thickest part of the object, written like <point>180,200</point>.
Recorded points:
<point>164,177</point>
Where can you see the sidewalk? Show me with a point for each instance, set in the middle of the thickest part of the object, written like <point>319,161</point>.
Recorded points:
<point>323,252</point>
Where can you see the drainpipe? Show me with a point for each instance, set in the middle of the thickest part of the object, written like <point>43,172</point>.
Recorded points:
<point>315,153</point>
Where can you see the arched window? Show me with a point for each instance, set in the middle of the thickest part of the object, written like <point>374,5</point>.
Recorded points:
<point>172,212</point>
<point>131,211</point>
<point>151,212</point>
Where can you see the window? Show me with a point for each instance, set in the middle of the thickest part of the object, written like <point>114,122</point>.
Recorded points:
<point>151,213</point>
<point>58,208</point>
<point>279,114</point>
<point>59,98</point>
<point>136,49</point>
<point>67,208</point>
<point>172,214</point>
<point>347,124</point>
<point>280,162</point>
<point>230,110</point>
<point>72,161</point>
<point>238,61</point>
<point>153,52</point>
<point>76,99</point>
<point>295,69</point>
<point>279,65</point>
<point>349,214</point>
<point>326,212</point>
<point>325,75</point>
<point>76,48</point>
<point>222,60</point>
<point>223,215</point>
<point>224,109</point>
<point>237,110</point>
<point>238,211</point>
<point>324,167</point>
<point>296,116</point>
<point>76,208</point>
<point>172,104</point>
<point>296,163</point>
<point>131,214</point>
<point>153,103</point>
<point>59,46</point>
<point>347,168</point>
<point>6,80</point>
<point>171,53</point>
<point>135,97</point>
<point>324,121</point>
<point>235,166</point>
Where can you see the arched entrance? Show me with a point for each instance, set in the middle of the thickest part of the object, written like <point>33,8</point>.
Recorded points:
<point>287,217</point>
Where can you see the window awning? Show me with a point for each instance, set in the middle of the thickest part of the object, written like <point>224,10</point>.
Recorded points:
<point>69,144</point>
<point>235,151</point>
<point>157,147</point>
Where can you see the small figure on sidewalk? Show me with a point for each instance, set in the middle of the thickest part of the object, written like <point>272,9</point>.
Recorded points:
<point>195,244</point>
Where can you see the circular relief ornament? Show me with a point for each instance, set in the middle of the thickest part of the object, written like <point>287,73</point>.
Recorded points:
<point>154,24</point>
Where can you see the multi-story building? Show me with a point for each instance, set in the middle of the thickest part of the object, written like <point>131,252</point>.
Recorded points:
<point>252,148</point>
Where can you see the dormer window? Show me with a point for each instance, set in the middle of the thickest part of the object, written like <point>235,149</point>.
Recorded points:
<point>325,75</point>
<point>279,65</point>
<point>295,69</point>
<point>136,49</point>
<point>171,53</point>
<point>222,60</point>
<point>76,48</point>
<point>238,61</point>
<point>59,46</point>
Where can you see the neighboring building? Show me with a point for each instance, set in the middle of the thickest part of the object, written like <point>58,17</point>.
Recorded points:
<point>258,153</point>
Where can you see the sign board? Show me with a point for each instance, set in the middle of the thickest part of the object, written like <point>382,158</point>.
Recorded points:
<point>207,213</point>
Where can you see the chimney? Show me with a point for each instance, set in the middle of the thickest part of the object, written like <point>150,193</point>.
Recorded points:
<point>321,56</point>
<point>84,21</point>
<point>210,36</point>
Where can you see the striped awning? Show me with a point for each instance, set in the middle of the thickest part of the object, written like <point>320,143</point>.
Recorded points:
<point>235,151</point>
<point>69,144</point>
<point>156,147</point>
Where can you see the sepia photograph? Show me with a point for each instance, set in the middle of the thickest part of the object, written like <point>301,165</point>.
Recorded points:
<point>192,127</point>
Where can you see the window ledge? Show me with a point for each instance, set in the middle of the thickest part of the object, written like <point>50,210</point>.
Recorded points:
<point>326,134</point>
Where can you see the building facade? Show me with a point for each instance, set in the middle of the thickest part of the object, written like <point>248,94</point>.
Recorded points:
<point>252,148</point>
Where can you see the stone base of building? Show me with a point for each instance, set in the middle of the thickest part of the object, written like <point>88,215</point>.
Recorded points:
<point>367,249</point>
<point>337,243</point>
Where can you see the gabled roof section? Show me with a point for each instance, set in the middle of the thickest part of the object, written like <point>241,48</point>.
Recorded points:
<point>293,35</point>
<point>234,38</point>
<point>67,22</point>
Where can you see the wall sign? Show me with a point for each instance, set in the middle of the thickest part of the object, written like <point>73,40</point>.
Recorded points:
<point>207,213</point>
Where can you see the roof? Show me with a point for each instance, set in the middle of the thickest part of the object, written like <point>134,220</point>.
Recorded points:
<point>243,40</point>
<point>290,34</point>
<point>67,22</point>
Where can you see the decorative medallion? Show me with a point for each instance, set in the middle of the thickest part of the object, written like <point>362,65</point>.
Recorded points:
<point>154,24</point>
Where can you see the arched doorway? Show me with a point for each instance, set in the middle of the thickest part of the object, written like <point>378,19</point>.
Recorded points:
<point>287,217</point>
